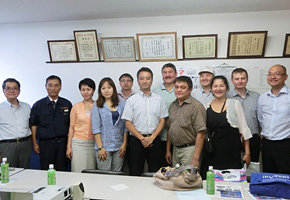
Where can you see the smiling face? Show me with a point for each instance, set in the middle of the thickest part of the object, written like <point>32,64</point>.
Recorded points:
<point>240,80</point>
<point>11,91</point>
<point>168,75</point>
<point>53,88</point>
<point>87,92</point>
<point>219,88</point>
<point>181,90</point>
<point>205,79</point>
<point>145,81</point>
<point>107,90</point>
<point>277,77</point>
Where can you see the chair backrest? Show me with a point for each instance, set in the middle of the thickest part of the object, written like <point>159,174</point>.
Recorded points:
<point>97,171</point>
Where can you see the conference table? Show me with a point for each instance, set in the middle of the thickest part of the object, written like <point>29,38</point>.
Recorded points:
<point>99,186</point>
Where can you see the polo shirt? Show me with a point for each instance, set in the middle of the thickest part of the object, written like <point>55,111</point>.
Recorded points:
<point>202,96</point>
<point>50,122</point>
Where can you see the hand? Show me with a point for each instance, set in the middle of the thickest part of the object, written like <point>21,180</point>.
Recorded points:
<point>36,148</point>
<point>69,153</point>
<point>122,150</point>
<point>168,157</point>
<point>195,163</point>
<point>247,159</point>
<point>147,141</point>
<point>102,154</point>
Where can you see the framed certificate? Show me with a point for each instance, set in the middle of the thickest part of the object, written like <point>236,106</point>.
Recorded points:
<point>199,46</point>
<point>286,52</point>
<point>118,49</point>
<point>62,51</point>
<point>157,46</point>
<point>87,45</point>
<point>247,44</point>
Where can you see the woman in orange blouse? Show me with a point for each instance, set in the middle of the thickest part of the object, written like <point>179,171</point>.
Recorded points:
<point>80,144</point>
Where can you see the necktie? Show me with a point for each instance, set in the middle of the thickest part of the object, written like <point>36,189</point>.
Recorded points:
<point>53,103</point>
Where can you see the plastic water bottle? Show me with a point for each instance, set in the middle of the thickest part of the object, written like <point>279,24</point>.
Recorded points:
<point>4,171</point>
<point>51,178</point>
<point>210,186</point>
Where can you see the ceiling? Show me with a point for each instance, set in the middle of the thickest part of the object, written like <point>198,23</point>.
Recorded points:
<point>26,11</point>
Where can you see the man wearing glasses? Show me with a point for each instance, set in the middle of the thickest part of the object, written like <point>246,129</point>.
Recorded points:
<point>126,83</point>
<point>15,143</point>
<point>273,115</point>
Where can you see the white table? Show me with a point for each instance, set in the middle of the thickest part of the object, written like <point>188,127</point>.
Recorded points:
<point>98,186</point>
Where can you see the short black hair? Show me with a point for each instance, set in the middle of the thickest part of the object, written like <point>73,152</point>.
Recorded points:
<point>184,79</point>
<point>52,77</point>
<point>239,70</point>
<point>145,69</point>
<point>10,80</point>
<point>223,78</point>
<point>169,65</point>
<point>89,82</point>
<point>126,75</point>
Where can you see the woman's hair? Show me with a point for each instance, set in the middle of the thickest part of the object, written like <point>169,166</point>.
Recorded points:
<point>89,82</point>
<point>114,98</point>
<point>224,79</point>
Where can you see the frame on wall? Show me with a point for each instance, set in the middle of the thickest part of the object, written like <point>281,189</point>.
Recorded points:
<point>62,51</point>
<point>157,46</point>
<point>199,46</point>
<point>118,49</point>
<point>87,45</point>
<point>286,51</point>
<point>249,44</point>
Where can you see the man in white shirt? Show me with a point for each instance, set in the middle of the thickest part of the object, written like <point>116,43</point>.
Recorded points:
<point>15,134</point>
<point>145,114</point>
<point>204,94</point>
<point>273,115</point>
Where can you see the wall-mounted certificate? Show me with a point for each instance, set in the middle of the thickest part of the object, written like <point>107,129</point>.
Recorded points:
<point>87,45</point>
<point>286,52</point>
<point>247,44</point>
<point>62,51</point>
<point>199,46</point>
<point>157,46</point>
<point>118,49</point>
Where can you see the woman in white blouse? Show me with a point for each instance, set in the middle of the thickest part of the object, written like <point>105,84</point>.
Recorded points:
<point>227,123</point>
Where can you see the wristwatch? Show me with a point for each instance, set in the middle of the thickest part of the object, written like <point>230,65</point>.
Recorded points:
<point>100,148</point>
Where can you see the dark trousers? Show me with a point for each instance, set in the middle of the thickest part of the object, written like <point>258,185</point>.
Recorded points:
<point>276,156</point>
<point>255,147</point>
<point>53,151</point>
<point>18,154</point>
<point>138,155</point>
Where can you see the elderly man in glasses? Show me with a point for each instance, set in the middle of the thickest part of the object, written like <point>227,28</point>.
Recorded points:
<point>273,115</point>
<point>15,143</point>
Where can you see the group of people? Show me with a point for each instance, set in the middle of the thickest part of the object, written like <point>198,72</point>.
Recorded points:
<point>164,126</point>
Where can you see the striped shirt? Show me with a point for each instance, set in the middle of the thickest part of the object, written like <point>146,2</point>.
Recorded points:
<point>145,112</point>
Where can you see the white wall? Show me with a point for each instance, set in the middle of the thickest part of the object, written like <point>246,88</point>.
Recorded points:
<point>24,52</point>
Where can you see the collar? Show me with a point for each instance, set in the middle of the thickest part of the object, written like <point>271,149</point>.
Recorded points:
<point>284,90</point>
<point>10,105</point>
<point>164,88</point>
<point>53,100</point>
<point>121,94</point>
<point>235,93</point>
<point>143,94</point>
<point>187,101</point>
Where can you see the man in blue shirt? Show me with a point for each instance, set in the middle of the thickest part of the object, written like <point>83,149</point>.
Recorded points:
<point>15,134</point>
<point>49,121</point>
<point>273,115</point>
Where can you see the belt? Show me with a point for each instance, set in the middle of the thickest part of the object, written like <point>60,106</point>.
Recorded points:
<point>146,135</point>
<point>16,140</point>
<point>186,145</point>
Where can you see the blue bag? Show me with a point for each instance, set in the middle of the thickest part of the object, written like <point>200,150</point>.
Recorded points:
<point>269,184</point>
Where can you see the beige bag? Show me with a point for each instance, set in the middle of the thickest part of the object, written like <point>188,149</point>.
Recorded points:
<point>183,178</point>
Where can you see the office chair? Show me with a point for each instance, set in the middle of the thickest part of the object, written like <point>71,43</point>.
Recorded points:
<point>97,171</point>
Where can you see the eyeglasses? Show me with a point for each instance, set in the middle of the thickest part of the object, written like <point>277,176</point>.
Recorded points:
<point>11,89</point>
<point>276,74</point>
<point>123,81</point>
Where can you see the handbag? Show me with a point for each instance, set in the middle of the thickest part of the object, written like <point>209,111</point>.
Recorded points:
<point>183,178</point>
<point>269,184</point>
